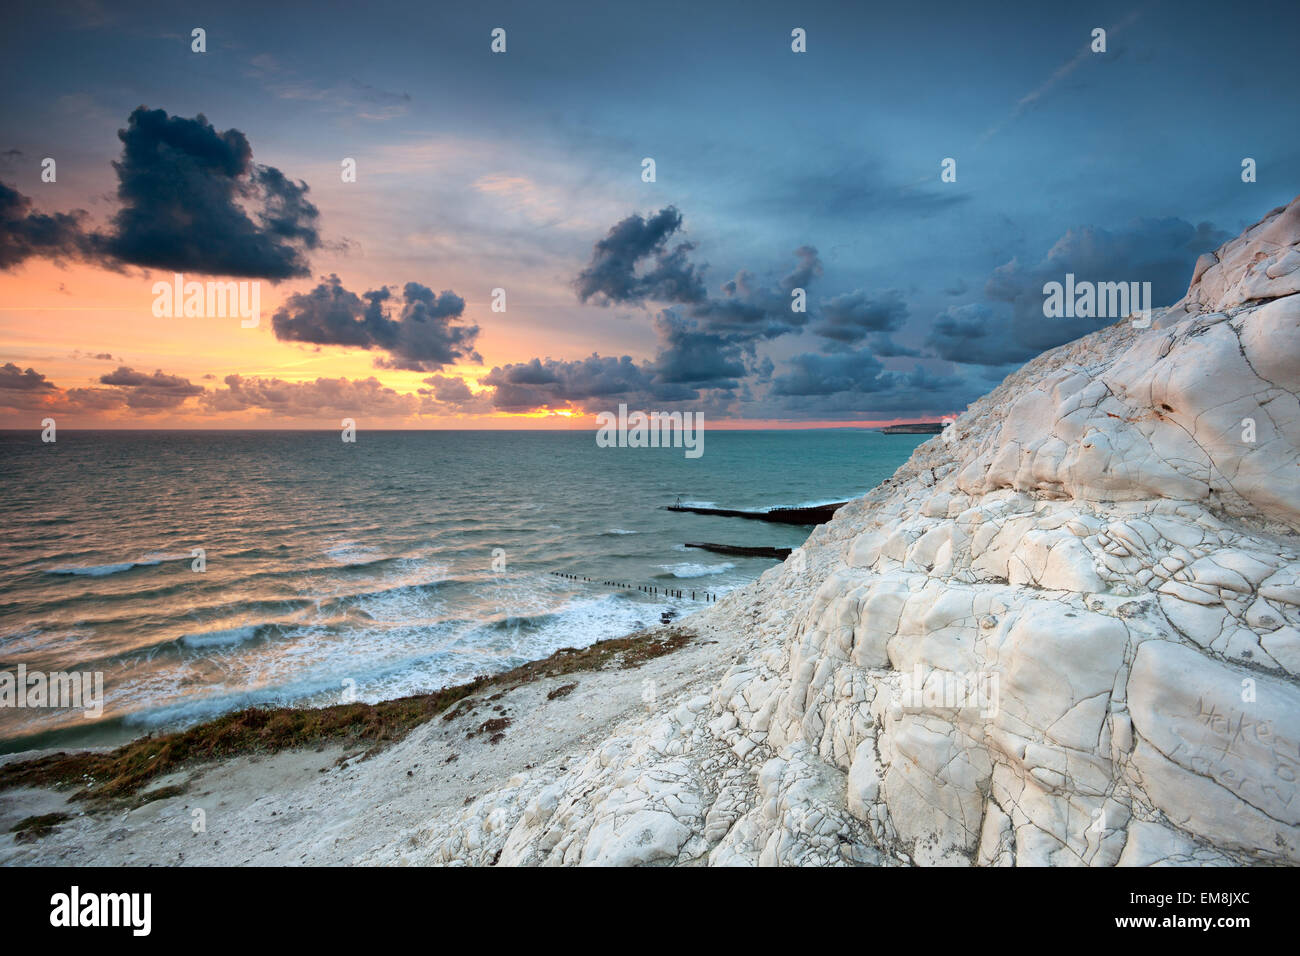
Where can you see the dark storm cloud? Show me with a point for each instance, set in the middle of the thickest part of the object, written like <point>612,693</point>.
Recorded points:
<point>694,357</point>
<point>592,383</point>
<point>712,343</point>
<point>12,378</point>
<point>29,389</point>
<point>184,187</point>
<point>813,374</point>
<point>884,346</point>
<point>850,385</point>
<point>851,317</point>
<point>706,342</point>
<point>421,338</point>
<point>155,391</point>
<point>971,334</point>
<point>749,310</point>
<point>689,363</point>
<point>331,315</point>
<point>24,233</point>
<point>1160,251</point>
<point>746,311</point>
<point>1013,328</point>
<point>707,345</point>
<point>192,200</point>
<point>286,214</point>
<point>612,275</point>
<point>556,384</point>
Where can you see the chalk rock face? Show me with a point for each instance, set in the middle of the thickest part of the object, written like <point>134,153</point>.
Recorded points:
<point>1067,631</point>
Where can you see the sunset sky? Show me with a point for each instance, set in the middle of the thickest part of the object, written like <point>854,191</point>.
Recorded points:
<point>522,170</point>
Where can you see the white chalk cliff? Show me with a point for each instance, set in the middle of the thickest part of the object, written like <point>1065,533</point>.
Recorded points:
<point>1106,548</point>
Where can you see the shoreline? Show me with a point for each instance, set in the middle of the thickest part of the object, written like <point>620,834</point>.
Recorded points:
<point>279,616</point>
<point>471,735</point>
<point>1101,549</point>
<point>116,733</point>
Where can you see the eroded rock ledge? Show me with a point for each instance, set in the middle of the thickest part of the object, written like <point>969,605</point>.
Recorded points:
<point>1100,558</point>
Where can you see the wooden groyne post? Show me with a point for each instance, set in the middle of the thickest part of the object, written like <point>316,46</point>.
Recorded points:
<point>653,590</point>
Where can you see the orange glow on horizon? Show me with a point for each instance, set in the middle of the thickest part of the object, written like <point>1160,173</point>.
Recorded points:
<point>76,324</point>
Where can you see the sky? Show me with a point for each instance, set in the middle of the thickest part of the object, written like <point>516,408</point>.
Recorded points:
<point>778,175</point>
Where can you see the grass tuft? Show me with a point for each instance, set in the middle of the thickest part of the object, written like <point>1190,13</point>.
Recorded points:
<point>33,828</point>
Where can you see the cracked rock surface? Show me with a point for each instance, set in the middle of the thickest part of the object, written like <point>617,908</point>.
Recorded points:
<point>1065,632</point>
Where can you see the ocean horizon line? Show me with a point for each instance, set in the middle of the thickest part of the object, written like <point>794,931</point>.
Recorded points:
<point>215,431</point>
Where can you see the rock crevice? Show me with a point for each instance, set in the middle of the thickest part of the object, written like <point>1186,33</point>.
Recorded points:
<point>1067,631</point>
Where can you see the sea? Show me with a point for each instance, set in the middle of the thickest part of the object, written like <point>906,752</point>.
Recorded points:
<point>205,571</point>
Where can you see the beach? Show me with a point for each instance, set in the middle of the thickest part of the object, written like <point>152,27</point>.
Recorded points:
<point>1066,631</point>
<point>332,804</point>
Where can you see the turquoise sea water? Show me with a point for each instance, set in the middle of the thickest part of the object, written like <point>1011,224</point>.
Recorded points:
<point>370,565</point>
